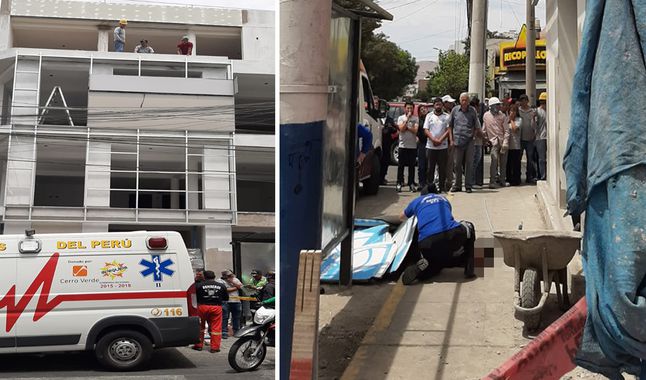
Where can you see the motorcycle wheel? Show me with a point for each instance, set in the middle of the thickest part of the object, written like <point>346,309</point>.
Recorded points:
<point>240,354</point>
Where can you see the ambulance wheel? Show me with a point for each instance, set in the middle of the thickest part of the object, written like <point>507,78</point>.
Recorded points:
<point>123,350</point>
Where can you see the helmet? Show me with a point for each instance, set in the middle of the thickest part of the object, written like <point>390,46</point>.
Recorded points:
<point>543,96</point>
<point>123,21</point>
<point>494,101</point>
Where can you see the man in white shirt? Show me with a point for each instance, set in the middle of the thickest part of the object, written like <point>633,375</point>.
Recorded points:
<point>436,128</point>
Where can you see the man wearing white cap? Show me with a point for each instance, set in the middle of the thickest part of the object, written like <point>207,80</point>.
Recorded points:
<point>449,103</point>
<point>498,136</point>
<point>120,35</point>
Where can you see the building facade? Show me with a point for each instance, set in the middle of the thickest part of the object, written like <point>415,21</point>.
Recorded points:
<point>94,140</point>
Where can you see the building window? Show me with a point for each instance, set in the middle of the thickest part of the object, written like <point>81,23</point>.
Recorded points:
<point>159,173</point>
<point>60,172</point>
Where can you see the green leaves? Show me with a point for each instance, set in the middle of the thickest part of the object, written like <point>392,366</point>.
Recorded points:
<point>389,67</point>
<point>451,76</point>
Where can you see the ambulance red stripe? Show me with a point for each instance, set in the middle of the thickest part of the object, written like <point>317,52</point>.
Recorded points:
<point>44,281</point>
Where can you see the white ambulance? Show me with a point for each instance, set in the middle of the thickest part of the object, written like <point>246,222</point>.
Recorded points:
<point>118,294</point>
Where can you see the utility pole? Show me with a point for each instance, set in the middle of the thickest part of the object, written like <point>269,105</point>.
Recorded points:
<point>530,60</point>
<point>304,68</point>
<point>477,52</point>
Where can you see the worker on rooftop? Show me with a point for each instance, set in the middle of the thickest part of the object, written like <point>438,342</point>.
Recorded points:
<point>185,47</point>
<point>120,35</point>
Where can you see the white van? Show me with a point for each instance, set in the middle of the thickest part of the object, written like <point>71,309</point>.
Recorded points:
<point>370,116</point>
<point>118,294</point>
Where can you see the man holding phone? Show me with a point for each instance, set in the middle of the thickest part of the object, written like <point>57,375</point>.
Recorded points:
<point>408,125</point>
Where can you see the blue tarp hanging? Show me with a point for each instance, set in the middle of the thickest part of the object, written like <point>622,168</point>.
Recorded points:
<point>605,167</point>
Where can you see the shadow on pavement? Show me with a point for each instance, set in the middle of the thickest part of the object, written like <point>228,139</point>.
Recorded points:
<point>84,362</point>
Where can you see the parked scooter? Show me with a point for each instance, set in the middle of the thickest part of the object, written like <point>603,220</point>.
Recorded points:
<point>249,351</point>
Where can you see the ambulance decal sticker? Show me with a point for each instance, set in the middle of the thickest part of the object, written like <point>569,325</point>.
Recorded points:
<point>13,305</point>
<point>79,271</point>
<point>157,269</point>
<point>113,270</point>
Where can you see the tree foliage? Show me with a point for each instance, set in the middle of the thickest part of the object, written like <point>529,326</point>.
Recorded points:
<point>451,76</point>
<point>390,68</point>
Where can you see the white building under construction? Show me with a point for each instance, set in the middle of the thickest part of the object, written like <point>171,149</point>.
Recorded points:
<point>96,140</point>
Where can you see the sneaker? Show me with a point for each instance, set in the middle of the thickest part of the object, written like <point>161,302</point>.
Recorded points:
<point>410,274</point>
<point>493,186</point>
<point>213,350</point>
<point>398,188</point>
<point>469,190</point>
<point>197,348</point>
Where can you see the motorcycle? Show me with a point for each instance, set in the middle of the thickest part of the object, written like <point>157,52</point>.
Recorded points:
<point>249,351</point>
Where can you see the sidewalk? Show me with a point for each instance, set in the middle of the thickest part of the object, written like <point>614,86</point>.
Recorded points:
<point>448,328</point>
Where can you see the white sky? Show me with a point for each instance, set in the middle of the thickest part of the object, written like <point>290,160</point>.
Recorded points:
<point>239,4</point>
<point>419,26</point>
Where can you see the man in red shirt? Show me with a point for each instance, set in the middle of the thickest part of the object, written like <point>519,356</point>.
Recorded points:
<point>185,47</point>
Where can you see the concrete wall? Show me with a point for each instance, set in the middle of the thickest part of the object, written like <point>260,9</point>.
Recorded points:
<point>218,251</point>
<point>258,36</point>
<point>133,12</point>
<point>562,48</point>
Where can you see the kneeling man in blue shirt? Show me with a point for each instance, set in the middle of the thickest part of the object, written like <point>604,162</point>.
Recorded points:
<point>443,242</point>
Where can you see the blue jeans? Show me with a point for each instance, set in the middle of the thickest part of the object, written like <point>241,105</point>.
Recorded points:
<point>235,310</point>
<point>118,46</point>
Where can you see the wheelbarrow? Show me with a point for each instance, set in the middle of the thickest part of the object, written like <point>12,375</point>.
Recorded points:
<point>538,256</point>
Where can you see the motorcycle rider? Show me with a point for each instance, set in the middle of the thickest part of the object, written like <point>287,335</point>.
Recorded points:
<point>210,295</point>
<point>440,237</point>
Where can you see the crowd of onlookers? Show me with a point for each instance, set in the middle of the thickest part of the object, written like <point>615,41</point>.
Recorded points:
<point>227,300</point>
<point>448,141</point>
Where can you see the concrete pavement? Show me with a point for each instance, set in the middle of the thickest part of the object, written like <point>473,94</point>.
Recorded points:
<point>448,328</point>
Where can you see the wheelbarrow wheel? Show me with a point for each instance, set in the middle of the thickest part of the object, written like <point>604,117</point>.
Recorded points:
<point>530,297</point>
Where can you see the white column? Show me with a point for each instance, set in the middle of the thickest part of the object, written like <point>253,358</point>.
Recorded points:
<point>216,184</point>
<point>477,52</point>
<point>218,251</point>
<point>562,50</point>
<point>193,38</point>
<point>174,197</point>
<point>104,39</point>
<point>97,174</point>
<point>6,34</point>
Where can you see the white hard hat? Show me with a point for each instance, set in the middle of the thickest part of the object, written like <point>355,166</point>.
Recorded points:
<point>448,98</point>
<point>493,101</point>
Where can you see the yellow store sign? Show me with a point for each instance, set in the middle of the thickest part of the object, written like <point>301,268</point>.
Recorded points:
<point>513,54</point>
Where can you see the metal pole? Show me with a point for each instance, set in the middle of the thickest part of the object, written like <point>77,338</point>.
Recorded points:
<point>477,52</point>
<point>304,68</point>
<point>530,61</point>
<point>347,249</point>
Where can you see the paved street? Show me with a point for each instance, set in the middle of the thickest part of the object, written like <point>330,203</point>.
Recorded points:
<point>447,328</point>
<point>167,364</point>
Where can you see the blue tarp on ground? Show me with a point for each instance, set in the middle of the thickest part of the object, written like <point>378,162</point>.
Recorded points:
<point>606,178</point>
<point>376,251</point>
